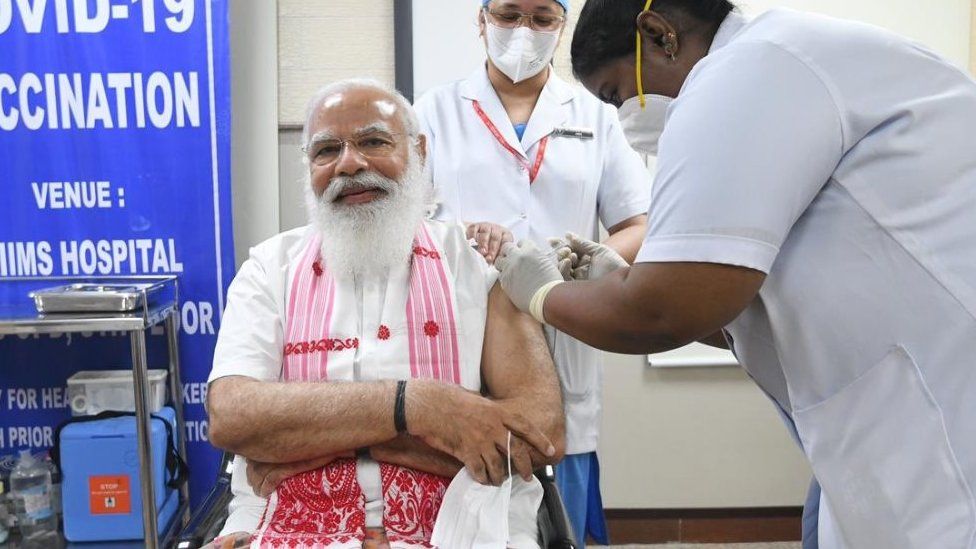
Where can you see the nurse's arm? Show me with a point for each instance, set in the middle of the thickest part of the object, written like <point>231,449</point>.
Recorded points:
<point>627,236</point>
<point>652,307</point>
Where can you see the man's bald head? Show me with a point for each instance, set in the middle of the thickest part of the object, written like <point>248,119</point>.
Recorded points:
<point>389,105</point>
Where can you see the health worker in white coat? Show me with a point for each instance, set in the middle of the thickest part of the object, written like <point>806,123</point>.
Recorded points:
<point>815,197</point>
<point>515,150</point>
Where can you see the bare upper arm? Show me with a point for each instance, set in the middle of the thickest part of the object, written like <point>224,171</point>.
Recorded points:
<point>518,371</point>
<point>515,357</point>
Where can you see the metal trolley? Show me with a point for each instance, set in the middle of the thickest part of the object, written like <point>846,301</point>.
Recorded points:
<point>155,302</point>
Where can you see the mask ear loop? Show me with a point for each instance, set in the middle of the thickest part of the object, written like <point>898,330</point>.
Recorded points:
<point>508,450</point>
<point>637,66</point>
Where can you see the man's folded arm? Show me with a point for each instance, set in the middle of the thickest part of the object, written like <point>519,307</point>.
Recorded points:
<point>275,422</point>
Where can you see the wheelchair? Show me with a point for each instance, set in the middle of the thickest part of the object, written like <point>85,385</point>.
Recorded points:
<point>208,519</point>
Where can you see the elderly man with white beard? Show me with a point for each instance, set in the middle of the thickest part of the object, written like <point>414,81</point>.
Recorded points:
<point>364,359</point>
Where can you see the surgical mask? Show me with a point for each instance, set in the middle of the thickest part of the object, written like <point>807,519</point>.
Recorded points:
<point>473,514</point>
<point>643,126</point>
<point>520,53</point>
<point>478,516</point>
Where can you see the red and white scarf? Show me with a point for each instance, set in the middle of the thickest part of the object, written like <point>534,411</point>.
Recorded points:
<point>326,507</point>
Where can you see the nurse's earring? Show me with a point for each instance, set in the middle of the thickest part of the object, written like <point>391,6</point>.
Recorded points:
<point>671,46</point>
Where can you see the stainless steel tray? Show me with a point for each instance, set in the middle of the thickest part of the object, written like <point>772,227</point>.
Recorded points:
<point>93,297</point>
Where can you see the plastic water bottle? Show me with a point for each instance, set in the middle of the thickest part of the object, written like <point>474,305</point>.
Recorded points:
<point>30,483</point>
<point>55,487</point>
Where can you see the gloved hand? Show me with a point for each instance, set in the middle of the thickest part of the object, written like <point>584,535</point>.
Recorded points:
<point>566,259</point>
<point>596,260</point>
<point>525,269</point>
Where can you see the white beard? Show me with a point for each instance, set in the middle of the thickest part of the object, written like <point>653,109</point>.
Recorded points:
<point>371,238</point>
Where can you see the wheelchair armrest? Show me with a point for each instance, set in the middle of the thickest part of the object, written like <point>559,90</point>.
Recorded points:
<point>554,527</point>
<point>210,516</point>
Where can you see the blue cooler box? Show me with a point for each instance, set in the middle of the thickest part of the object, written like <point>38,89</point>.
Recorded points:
<point>101,490</point>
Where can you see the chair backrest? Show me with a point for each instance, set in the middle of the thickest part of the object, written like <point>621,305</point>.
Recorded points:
<point>209,517</point>
<point>554,527</point>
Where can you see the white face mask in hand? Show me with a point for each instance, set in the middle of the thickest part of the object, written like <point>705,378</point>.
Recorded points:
<point>643,127</point>
<point>521,52</point>
<point>475,516</point>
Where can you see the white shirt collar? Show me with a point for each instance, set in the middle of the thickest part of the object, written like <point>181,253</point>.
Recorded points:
<point>730,27</point>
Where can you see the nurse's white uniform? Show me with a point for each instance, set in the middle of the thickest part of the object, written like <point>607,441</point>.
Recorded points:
<point>839,159</point>
<point>580,184</point>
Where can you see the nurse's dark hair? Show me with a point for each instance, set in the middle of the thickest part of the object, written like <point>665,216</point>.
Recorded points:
<point>605,29</point>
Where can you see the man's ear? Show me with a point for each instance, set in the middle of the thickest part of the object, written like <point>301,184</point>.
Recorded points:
<point>422,147</point>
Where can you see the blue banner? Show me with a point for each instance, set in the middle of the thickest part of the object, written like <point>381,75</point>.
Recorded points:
<point>114,160</point>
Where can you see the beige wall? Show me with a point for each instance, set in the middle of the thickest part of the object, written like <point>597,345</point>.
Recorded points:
<point>254,139</point>
<point>321,41</point>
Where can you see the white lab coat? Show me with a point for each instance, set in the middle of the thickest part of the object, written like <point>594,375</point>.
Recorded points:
<point>838,158</point>
<point>582,182</point>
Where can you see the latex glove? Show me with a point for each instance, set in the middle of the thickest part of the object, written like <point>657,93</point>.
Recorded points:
<point>601,259</point>
<point>525,269</point>
<point>566,259</point>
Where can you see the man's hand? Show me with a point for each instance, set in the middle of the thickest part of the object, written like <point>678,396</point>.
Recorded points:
<point>489,238</point>
<point>408,451</point>
<point>264,478</point>
<point>471,428</point>
<point>596,260</point>
<point>521,458</point>
<point>525,269</point>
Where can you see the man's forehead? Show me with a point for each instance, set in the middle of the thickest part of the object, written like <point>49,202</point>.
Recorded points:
<point>356,108</point>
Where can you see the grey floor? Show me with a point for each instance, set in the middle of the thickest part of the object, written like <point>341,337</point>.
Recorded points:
<point>788,545</point>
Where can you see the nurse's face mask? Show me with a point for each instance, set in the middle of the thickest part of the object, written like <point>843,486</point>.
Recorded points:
<point>521,45</point>
<point>643,124</point>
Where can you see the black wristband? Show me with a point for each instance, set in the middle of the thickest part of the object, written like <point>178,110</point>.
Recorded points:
<point>399,407</point>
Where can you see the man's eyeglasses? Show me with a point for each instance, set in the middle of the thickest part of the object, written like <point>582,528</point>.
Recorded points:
<point>537,21</point>
<point>375,144</point>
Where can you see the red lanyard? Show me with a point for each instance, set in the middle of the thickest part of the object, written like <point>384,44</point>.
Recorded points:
<point>539,155</point>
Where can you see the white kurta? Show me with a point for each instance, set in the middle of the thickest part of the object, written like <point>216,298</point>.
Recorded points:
<point>838,158</point>
<point>251,340</point>
<point>581,183</point>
